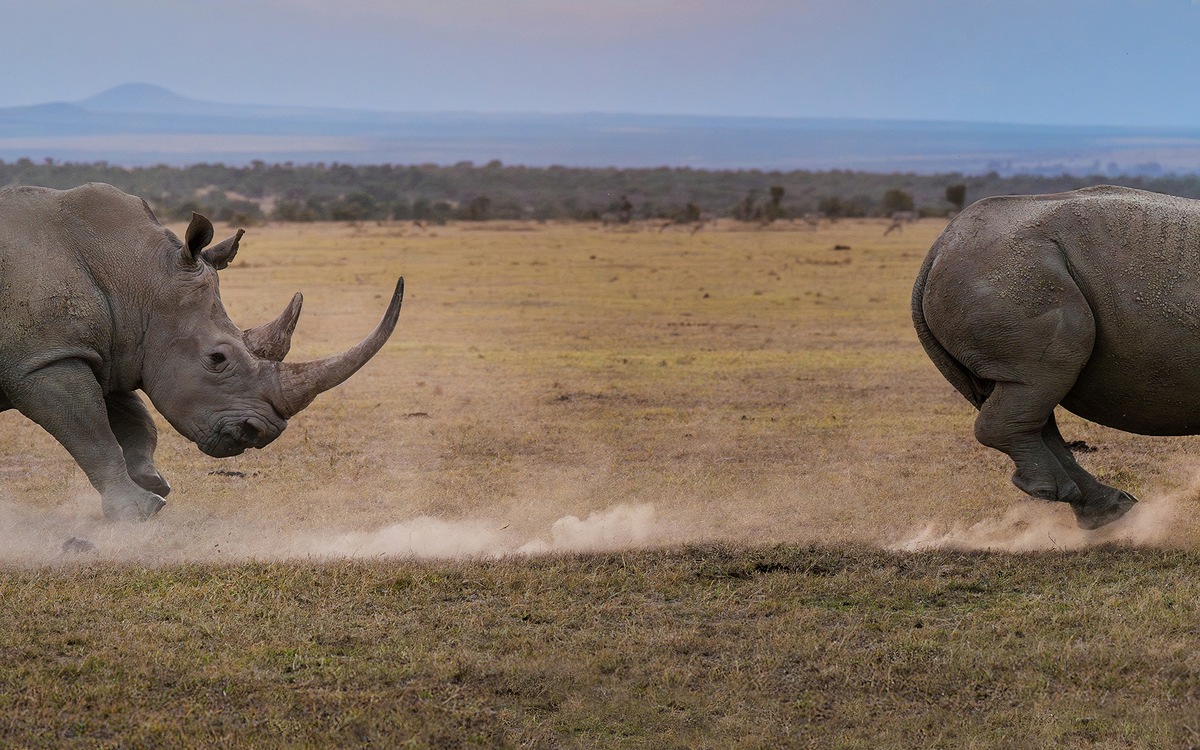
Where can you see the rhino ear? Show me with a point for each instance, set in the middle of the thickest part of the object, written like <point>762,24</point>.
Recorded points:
<point>218,256</point>
<point>199,233</point>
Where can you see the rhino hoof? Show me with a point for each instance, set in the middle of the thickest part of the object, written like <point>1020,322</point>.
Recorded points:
<point>1048,489</point>
<point>153,505</point>
<point>153,482</point>
<point>132,509</point>
<point>1094,515</point>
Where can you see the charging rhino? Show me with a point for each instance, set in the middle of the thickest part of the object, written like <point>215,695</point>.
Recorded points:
<point>1088,299</point>
<point>98,300</point>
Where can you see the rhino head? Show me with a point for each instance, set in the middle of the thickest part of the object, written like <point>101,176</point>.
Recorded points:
<point>224,388</point>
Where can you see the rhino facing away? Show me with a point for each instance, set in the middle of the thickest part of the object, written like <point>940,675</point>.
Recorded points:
<point>98,301</point>
<point>1088,299</point>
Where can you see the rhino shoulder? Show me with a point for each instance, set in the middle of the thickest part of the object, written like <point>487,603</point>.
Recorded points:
<point>21,200</point>
<point>92,203</point>
<point>101,199</point>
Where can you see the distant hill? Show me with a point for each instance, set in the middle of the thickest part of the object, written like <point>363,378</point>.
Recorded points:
<point>142,124</point>
<point>141,97</point>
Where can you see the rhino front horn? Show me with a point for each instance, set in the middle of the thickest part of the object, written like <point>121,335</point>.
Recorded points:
<point>273,340</point>
<point>301,382</point>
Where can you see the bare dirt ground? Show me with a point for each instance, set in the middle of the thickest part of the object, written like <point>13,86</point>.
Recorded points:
<point>568,387</point>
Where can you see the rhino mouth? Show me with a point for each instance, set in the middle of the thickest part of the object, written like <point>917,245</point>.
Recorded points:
<point>233,437</point>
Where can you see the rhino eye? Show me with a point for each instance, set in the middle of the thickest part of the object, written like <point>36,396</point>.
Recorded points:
<point>216,359</point>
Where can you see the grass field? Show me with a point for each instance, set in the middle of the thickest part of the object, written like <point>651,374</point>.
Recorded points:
<point>757,514</point>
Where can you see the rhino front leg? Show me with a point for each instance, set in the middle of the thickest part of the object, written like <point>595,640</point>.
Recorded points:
<point>134,429</point>
<point>66,400</point>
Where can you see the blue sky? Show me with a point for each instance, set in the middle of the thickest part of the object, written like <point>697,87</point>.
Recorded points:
<point>1106,62</point>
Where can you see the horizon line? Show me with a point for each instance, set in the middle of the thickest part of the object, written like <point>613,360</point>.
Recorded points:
<point>1176,127</point>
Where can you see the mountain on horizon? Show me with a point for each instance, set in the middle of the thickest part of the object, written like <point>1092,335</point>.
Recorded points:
<point>139,97</point>
<point>137,124</point>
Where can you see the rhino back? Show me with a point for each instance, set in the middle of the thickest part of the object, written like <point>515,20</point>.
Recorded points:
<point>1135,255</point>
<point>63,257</point>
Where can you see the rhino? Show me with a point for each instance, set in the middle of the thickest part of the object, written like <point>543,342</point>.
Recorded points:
<point>1087,299</point>
<point>99,301</point>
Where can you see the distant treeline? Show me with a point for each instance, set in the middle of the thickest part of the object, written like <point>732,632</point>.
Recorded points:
<point>465,191</point>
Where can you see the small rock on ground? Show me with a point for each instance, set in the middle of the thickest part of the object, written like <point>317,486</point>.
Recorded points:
<point>78,545</point>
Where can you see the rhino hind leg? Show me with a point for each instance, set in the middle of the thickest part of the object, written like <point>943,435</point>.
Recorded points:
<point>134,429</point>
<point>1099,504</point>
<point>1011,420</point>
<point>1034,366</point>
<point>1018,419</point>
<point>1032,345</point>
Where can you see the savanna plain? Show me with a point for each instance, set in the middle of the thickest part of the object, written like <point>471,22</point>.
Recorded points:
<point>605,487</point>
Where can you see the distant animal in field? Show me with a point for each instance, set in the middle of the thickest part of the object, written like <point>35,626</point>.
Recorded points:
<point>99,301</point>
<point>1088,299</point>
<point>621,215</point>
<point>899,219</point>
<point>692,222</point>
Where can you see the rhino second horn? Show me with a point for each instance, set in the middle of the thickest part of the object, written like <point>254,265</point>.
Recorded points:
<point>273,340</point>
<point>301,382</point>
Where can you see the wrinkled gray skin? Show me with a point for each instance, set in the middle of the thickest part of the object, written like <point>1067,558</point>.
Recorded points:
<point>98,301</point>
<point>1088,299</point>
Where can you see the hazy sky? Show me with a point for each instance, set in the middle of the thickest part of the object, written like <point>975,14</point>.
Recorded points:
<point>1132,62</point>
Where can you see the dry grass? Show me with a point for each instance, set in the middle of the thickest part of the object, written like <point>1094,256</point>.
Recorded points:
<point>737,388</point>
<point>701,648</point>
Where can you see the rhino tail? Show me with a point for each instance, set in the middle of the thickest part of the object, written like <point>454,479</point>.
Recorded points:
<point>974,388</point>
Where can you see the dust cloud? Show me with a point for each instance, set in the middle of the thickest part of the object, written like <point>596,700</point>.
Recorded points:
<point>620,527</point>
<point>38,537</point>
<point>1034,526</point>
